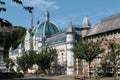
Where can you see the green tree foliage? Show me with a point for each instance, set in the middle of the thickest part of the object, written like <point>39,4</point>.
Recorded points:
<point>112,55</point>
<point>27,60</point>
<point>9,64</point>
<point>45,57</point>
<point>17,36</point>
<point>12,38</point>
<point>87,50</point>
<point>114,51</point>
<point>42,59</point>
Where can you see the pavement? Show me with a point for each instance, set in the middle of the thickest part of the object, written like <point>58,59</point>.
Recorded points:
<point>62,77</point>
<point>59,77</point>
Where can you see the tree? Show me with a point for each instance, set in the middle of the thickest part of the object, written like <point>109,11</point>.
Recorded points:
<point>9,64</point>
<point>87,50</point>
<point>13,38</point>
<point>2,8</point>
<point>42,59</point>
<point>45,57</point>
<point>18,2</point>
<point>112,55</point>
<point>27,60</point>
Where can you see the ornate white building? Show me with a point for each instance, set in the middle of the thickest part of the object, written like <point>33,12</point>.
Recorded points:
<point>48,33</point>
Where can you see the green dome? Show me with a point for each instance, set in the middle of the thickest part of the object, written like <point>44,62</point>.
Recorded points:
<point>45,29</point>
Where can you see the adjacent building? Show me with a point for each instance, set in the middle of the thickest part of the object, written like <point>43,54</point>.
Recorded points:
<point>107,30</point>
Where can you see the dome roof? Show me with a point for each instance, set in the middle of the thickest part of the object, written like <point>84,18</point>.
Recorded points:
<point>46,28</point>
<point>86,22</point>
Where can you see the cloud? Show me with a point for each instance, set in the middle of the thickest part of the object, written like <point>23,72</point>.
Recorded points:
<point>42,4</point>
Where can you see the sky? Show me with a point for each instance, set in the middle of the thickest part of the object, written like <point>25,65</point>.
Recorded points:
<point>62,12</point>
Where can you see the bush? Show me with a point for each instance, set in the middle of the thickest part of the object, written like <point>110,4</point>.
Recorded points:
<point>8,75</point>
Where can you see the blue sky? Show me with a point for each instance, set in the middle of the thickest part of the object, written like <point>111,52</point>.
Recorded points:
<point>61,11</point>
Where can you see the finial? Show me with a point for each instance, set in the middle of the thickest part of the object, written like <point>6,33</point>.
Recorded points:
<point>71,23</point>
<point>38,21</point>
<point>47,15</point>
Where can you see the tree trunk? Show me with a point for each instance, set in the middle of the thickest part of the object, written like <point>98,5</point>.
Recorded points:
<point>89,70</point>
<point>115,71</point>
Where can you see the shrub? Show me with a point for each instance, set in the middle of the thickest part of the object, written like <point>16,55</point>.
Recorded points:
<point>8,75</point>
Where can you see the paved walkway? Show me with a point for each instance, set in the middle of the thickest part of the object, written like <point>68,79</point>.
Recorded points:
<point>60,77</point>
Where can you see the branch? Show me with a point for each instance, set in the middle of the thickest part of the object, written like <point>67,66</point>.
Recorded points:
<point>2,2</point>
<point>2,9</point>
<point>18,1</point>
<point>30,9</point>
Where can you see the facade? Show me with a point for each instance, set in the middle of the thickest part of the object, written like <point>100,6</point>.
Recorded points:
<point>48,33</point>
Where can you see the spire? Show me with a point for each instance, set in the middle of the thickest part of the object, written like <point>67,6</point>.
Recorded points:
<point>70,28</point>
<point>47,15</point>
<point>38,22</point>
<point>31,20</point>
<point>86,22</point>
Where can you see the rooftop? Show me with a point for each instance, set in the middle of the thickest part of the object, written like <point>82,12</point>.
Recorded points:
<point>107,24</point>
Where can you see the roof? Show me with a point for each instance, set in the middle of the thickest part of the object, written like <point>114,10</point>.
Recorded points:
<point>86,22</point>
<point>46,28</point>
<point>107,24</point>
<point>59,38</point>
<point>70,28</point>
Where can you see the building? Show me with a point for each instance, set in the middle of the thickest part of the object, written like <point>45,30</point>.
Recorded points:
<point>107,30</point>
<point>48,33</point>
